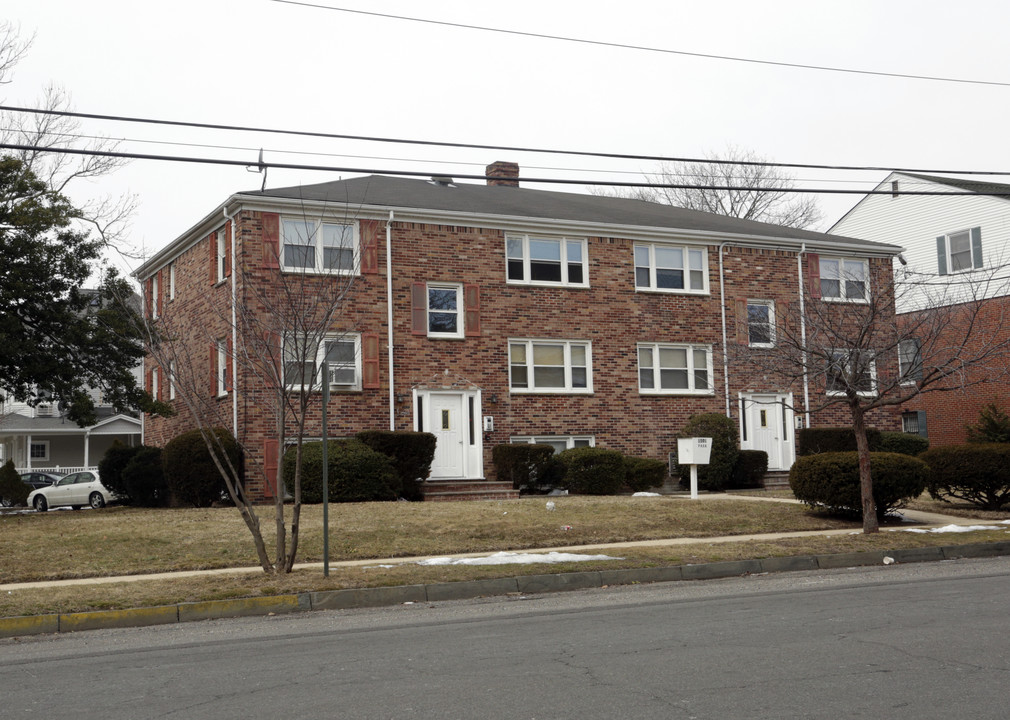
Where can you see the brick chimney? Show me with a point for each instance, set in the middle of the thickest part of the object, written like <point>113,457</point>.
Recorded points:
<point>503,173</point>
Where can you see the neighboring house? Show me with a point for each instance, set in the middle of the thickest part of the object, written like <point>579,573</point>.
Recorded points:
<point>954,247</point>
<point>517,315</point>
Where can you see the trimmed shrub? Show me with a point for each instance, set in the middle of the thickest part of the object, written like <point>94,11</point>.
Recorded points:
<point>411,453</point>
<point>144,479</point>
<point>12,490</point>
<point>528,466</point>
<point>902,443</point>
<point>993,426</point>
<point>190,474</point>
<point>110,468</point>
<point>715,476</point>
<point>831,481</point>
<point>642,474</point>
<point>357,473</point>
<point>592,470</point>
<point>976,473</point>
<point>811,441</point>
<point>750,469</point>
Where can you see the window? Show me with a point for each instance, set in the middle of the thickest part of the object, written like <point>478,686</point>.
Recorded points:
<point>171,281</point>
<point>959,252</point>
<point>221,258</point>
<point>154,382</point>
<point>546,261</point>
<point>445,303</point>
<point>667,268</point>
<point>550,366</point>
<point>760,323</point>
<point>844,279</point>
<point>303,362</point>
<point>39,450</point>
<point>318,246</point>
<point>171,379</point>
<point>674,369</point>
<point>155,291</point>
<point>909,361</point>
<point>558,442</point>
<point>221,368</point>
<point>851,369</point>
<point>914,422</point>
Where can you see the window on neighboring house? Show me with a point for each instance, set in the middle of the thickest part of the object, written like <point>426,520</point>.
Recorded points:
<point>851,369</point>
<point>171,281</point>
<point>667,268</point>
<point>548,261</point>
<point>914,422</point>
<point>171,379</point>
<point>760,323</point>
<point>303,362</point>
<point>39,450</point>
<point>959,252</point>
<point>312,245</point>
<point>558,442</point>
<point>155,291</point>
<point>221,258</point>
<point>221,368</point>
<point>553,366</point>
<point>909,361</point>
<point>844,279</point>
<point>445,306</point>
<point>674,369</point>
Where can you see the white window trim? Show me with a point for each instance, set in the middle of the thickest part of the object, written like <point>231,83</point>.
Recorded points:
<point>563,241</point>
<point>318,268</point>
<point>155,289</point>
<point>770,304</point>
<point>171,281</point>
<point>567,389</point>
<point>171,379</point>
<point>155,372</point>
<point>872,392</point>
<point>950,255</point>
<point>841,260</point>
<point>221,371</point>
<point>569,440</point>
<point>458,287</point>
<point>220,258</point>
<point>686,290</point>
<point>44,444</point>
<point>318,361</point>
<point>691,390</point>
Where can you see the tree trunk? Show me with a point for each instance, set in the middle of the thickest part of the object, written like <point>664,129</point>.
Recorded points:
<point>870,524</point>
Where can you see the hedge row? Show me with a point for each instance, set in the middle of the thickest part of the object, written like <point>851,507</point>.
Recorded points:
<point>584,470</point>
<point>978,473</point>
<point>812,441</point>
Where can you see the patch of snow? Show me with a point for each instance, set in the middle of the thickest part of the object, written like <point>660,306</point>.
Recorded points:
<point>511,558</point>
<point>646,494</point>
<point>950,529</point>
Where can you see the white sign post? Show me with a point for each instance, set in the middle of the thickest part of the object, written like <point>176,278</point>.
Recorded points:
<point>694,452</point>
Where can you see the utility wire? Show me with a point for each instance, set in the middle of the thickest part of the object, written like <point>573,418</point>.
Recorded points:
<point>473,146</point>
<point>411,173</point>
<point>666,51</point>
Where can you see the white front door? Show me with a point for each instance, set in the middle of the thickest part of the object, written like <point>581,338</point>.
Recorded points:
<point>766,424</point>
<point>446,421</point>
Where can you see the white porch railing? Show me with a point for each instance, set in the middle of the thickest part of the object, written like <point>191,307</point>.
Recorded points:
<point>59,470</point>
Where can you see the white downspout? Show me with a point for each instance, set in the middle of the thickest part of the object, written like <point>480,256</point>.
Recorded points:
<point>725,348</point>
<point>234,323</point>
<point>803,338</point>
<point>389,318</point>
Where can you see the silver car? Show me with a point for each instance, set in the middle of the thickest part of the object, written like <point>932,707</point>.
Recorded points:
<point>75,490</point>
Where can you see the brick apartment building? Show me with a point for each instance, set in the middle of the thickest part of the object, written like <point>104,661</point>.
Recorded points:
<point>516,315</point>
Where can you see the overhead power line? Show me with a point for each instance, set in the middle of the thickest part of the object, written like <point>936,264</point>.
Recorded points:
<point>424,174</point>
<point>476,146</point>
<point>646,48</point>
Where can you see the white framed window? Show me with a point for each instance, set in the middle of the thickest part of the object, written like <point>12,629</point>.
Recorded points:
<point>171,379</point>
<point>550,366</point>
<point>558,442</point>
<point>851,369</point>
<point>155,373</point>
<point>39,450</point>
<point>959,252</point>
<point>668,369</point>
<point>221,257</point>
<point>761,323</point>
<point>171,281</point>
<point>155,290</point>
<point>221,368</point>
<point>303,362</point>
<point>671,268</point>
<point>909,361</point>
<point>532,260</point>
<point>317,246</point>
<point>445,310</point>
<point>844,279</point>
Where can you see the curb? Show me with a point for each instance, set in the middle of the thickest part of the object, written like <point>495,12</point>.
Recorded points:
<point>356,598</point>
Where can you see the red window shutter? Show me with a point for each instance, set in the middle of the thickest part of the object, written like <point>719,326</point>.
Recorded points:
<point>471,310</point>
<point>781,315</point>
<point>419,309</point>
<point>742,326</point>
<point>270,463</point>
<point>147,381</point>
<point>271,240</point>
<point>228,368</point>
<point>272,342</point>
<point>161,384</point>
<point>369,240</point>
<point>227,249</point>
<point>814,274</point>
<point>370,360</point>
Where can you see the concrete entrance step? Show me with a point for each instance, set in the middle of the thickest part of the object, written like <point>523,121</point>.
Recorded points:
<point>445,490</point>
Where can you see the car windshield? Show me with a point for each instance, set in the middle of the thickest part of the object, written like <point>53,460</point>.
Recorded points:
<point>68,480</point>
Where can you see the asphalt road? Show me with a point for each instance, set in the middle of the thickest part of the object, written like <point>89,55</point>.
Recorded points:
<point>927,640</point>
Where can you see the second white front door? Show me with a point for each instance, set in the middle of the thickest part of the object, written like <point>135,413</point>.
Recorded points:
<point>767,425</point>
<point>446,421</point>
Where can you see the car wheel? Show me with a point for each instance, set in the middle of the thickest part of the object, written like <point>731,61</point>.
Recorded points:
<point>6,502</point>
<point>40,503</point>
<point>96,501</point>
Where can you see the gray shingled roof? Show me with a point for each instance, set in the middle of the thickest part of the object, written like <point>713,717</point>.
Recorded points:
<point>505,201</point>
<point>982,187</point>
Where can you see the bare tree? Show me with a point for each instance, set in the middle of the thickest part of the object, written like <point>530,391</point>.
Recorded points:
<point>742,188</point>
<point>848,345</point>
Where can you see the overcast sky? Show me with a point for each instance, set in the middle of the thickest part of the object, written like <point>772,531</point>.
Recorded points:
<point>293,67</point>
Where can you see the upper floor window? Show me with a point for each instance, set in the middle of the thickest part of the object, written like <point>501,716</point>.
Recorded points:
<point>171,379</point>
<point>547,261</point>
<point>851,370</point>
<point>561,366</point>
<point>445,306</point>
<point>909,361</point>
<point>171,281</point>
<point>674,369</point>
<point>304,362</point>
<point>221,368</point>
<point>317,246</point>
<point>221,257</point>
<point>155,295</point>
<point>760,323</point>
<point>959,252</point>
<point>667,268</point>
<point>844,279</point>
